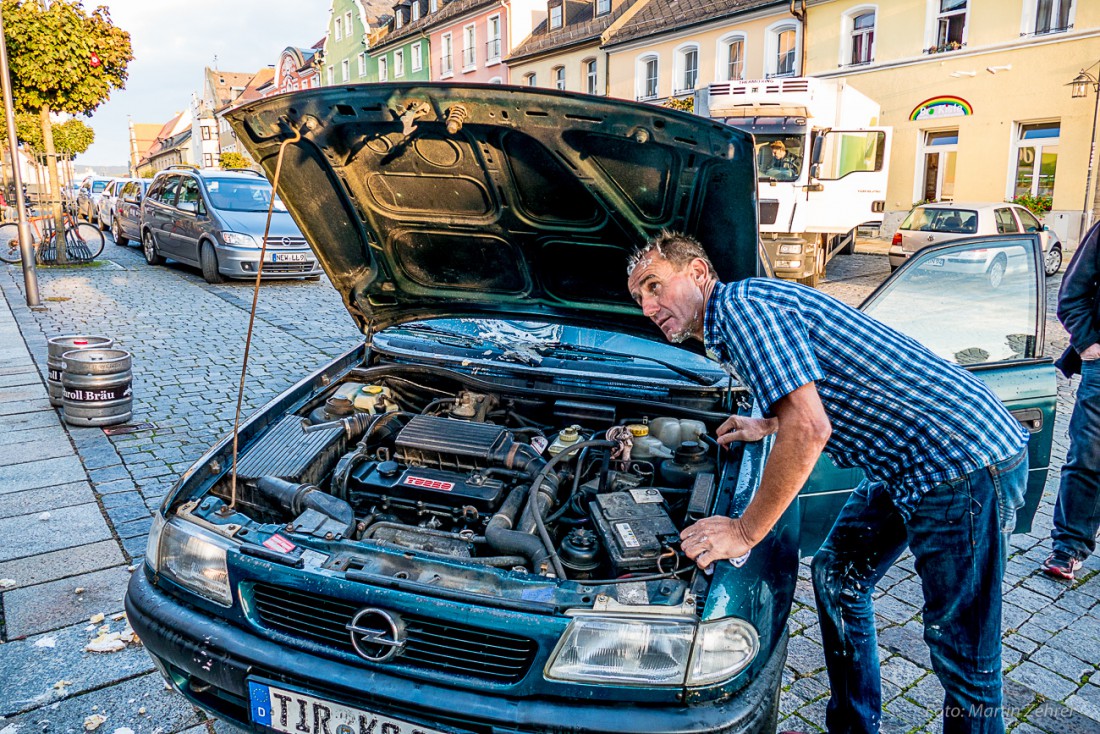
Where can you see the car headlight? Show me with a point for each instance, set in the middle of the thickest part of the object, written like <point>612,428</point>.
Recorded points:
<point>788,263</point>
<point>652,652</point>
<point>238,239</point>
<point>191,556</point>
<point>790,249</point>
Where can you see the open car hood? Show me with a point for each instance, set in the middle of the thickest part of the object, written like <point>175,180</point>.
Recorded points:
<point>427,200</point>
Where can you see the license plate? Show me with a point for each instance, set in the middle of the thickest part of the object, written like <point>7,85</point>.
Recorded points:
<point>296,713</point>
<point>936,262</point>
<point>290,257</point>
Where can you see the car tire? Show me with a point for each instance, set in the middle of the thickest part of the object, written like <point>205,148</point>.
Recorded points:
<point>996,272</point>
<point>1052,263</point>
<point>149,249</point>
<point>103,226</point>
<point>209,261</point>
<point>116,232</point>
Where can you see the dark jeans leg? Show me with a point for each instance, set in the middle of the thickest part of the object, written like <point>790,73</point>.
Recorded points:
<point>1077,509</point>
<point>866,539</point>
<point>958,535</point>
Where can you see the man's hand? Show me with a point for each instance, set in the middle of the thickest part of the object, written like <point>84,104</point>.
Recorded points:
<point>740,428</point>
<point>1093,352</point>
<point>714,539</point>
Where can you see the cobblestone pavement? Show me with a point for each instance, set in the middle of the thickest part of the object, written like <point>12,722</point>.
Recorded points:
<point>187,337</point>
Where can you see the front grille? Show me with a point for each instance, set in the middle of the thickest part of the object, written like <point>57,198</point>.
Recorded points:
<point>288,267</point>
<point>431,645</point>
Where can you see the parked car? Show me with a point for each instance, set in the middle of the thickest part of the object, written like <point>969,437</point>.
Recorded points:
<point>429,534</point>
<point>126,218</point>
<point>215,219</point>
<point>87,197</point>
<point>931,223</point>
<point>105,207</point>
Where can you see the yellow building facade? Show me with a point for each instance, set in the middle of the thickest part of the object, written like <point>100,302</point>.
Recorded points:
<point>977,94</point>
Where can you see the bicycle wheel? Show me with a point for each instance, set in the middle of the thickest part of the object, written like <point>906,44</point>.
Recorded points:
<point>9,242</point>
<point>84,242</point>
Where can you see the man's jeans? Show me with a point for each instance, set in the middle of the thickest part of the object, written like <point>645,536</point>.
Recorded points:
<point>1077,510</point>
<point>959,537</point>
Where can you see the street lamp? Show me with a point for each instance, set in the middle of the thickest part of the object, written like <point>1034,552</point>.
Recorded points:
<point>1079,88</point>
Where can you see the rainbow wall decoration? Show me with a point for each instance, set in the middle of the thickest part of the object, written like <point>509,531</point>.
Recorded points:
<point>940,107</point>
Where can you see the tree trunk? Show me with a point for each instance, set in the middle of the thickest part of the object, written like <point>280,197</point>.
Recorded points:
<point>55,184</point>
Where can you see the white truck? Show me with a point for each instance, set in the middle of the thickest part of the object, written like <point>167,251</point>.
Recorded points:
<point>822,164</point>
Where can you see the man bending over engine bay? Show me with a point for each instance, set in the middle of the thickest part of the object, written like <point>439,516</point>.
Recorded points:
<point>946,468</point>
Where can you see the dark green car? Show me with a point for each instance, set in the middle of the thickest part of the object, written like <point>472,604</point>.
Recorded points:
<point>469,524</point>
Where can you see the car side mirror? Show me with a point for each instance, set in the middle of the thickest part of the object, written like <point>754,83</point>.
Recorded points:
<point>188,206</point>
<point>1046,228</point>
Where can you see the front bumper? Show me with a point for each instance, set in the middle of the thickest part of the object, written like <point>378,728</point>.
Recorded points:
<point>210,663</point>
<point>241,262</point>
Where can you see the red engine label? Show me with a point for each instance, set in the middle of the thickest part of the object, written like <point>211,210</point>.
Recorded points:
<point>425,483</point>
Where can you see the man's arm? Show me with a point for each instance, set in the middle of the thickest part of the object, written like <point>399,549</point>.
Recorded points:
<point>1077,297</point>
<point>803,430</point>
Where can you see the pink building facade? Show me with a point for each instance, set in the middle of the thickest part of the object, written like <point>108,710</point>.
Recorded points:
<point>471,45</point>
<point>296,69</point>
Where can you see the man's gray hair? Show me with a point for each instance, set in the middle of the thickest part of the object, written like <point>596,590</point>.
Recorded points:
<point>675,247</point>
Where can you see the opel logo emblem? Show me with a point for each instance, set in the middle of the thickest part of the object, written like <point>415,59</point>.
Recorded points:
<point>286,242</point>
<point>376,635</point>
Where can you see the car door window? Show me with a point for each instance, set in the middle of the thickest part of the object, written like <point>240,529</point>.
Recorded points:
<point>189,193</point>
<point>1006,223</point>
<point>970,303</point>
<point>1028,221</point>
<point>168,195</point>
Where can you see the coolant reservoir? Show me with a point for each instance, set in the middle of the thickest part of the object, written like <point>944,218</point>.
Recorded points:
<point>566,438</point>
<point>646,446</point>
<point>674,431</point>
<point>375,399</point>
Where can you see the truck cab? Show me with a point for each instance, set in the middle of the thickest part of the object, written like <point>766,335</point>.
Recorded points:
<point>821,160</point>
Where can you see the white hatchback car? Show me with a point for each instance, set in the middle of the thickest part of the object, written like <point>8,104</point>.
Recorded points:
<point>930,224</point>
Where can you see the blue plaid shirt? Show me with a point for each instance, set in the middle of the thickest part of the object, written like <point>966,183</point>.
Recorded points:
<point>902,414</point>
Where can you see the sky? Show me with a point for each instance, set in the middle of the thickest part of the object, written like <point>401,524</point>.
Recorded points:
<point>173,40</point>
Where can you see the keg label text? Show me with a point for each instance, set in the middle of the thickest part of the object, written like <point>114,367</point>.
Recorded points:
<point>119,392</point>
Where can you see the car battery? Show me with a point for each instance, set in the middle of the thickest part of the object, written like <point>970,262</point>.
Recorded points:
<point>634,527</point>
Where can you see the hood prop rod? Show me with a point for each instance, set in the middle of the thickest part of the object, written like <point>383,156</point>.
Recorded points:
<point>231,507</point>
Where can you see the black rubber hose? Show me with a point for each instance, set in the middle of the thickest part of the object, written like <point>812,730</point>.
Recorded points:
<point>296,498</point>
<point>503,538</point>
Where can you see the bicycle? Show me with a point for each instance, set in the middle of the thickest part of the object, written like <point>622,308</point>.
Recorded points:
<point>83,241</point>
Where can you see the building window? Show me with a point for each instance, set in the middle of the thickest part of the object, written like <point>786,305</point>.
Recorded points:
<point>205,129</point>
<point>731,57</point>
<point>591,78</point>
<point>345,70</point>
<point>468,59</point>
<point>950,25</point>
<point>446,59</point>
<point>383,69</point>
<point>347,24</point>
<point>416,11</point>
<point>687,69</point>
<point>786,51</point>
<point>398,63</point>
<point>208,160</point>
<point>603,7</point>
<point>1048,16</point>
<point>362,58</point>
<point>399,18</point>
<point>559,77</point>
<point>647,77</point>
<point>496,80</point>
<point>556,15</point>
<point>338,27</point>
<point>1036,158</point>
<point>416,58</point>
<point>863,38</point>
<point>330,72</point>
<point>941,150</point>
<point>530,79</point>
<point>433,5</point>
<point>492,46</point>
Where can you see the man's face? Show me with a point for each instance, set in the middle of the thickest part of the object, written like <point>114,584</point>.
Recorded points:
<point>779,153</point>
<point>673,299</point>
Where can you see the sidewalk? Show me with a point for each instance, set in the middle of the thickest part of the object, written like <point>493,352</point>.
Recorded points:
<point>61,564</point>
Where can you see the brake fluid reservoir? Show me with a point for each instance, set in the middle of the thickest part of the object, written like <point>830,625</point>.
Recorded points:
<point>674,431</point>
<point>375,399</point>
<point>646,446</point>
<point>566,438</point>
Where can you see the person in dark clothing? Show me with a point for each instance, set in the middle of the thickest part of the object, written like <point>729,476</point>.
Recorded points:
<point>1077,509</point>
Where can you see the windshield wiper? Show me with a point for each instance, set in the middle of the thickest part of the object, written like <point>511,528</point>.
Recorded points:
<point>459,337</point>
<point>696,377</point>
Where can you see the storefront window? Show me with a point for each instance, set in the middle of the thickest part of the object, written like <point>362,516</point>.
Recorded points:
<point>941,150</point>
<point>1036,159</point>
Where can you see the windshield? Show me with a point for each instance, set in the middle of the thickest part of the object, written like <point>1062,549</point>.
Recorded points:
<point>241,195</point>
<point>956,221</point>
<point>535,343</point>
<point>778,157</point>
<point>98,186</point>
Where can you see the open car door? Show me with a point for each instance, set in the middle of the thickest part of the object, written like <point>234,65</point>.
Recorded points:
<point>981,303</point>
